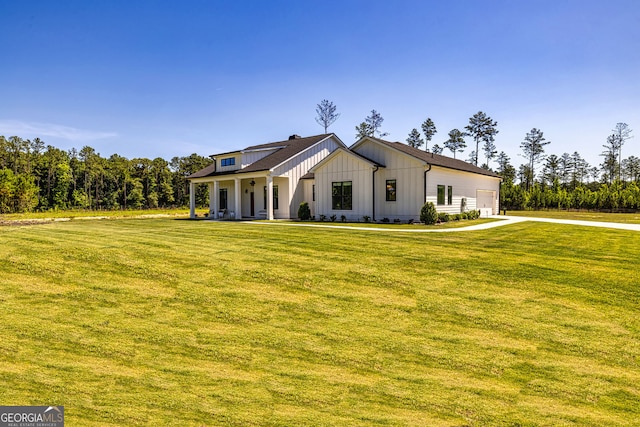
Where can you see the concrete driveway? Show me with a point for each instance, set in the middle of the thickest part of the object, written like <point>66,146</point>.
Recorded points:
<point>616,225</point>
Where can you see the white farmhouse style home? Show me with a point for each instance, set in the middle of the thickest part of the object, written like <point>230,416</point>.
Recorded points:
<point>382,179</point>
<point>261,181</point>
<point>372,178</point>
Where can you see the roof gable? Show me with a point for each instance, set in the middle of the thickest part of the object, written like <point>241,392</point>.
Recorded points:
<point>346,151</point>
<point>287,149</point>
<point>283,151</point>
<point>428,158</point>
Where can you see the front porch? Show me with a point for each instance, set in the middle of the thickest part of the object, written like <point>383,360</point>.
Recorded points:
<point>236,198</point>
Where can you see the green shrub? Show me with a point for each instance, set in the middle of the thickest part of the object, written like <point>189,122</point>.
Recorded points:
<point>323,218</point>
<point>474,214</point>
<point>463,215</point>
<point>304,213</point>
<point>366,218</point>
<point>455,217</point>
<point>428,214</point>
<point>333,218</point>
<point>443,217</point>
<point>343,218</point>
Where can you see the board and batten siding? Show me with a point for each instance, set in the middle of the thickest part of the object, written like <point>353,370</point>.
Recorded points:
<point>409,175</point>
<point>340,168</point>
<point>298,166</point>
<point>283,198</point>
<point>464,185</point>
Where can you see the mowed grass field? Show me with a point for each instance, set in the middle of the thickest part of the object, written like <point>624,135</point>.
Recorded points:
<point>197,323</point>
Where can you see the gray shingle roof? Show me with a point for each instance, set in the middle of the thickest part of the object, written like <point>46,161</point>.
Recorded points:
<point>208,171</point>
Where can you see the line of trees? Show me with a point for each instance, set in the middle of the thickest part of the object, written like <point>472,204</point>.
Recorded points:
<point>570,182</point>
<point>35,176</point>
<point>565,182</point>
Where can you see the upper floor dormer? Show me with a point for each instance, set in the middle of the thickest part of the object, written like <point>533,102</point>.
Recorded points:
<point>264,157</point>
<point>227,162</point>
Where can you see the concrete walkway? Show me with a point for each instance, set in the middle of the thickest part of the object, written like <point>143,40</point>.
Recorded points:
<point>502,221</point>
<point>616,225</point>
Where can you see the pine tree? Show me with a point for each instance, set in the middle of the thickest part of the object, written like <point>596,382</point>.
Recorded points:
<point>414,140</point>
<point>363,129</point>
<point>505,168</point>
<point>533,148</point>
<point>622,133</point>
<point>551,170</point>
<point>437,149</point>
<point>481,128</point>
<point>489,149</point>
<point>326,111</point>
<point>429,129</point>
<point>374,120</point>
<point>456,142</point>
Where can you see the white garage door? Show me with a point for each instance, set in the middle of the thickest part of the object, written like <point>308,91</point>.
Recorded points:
<point>485,201</point>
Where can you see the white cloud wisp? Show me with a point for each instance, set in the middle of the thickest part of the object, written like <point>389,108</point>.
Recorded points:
<point>35,129</point>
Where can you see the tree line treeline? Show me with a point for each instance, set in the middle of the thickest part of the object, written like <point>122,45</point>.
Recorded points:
<point>545,181</point>
<point>35,176</point>
<point>569,181</point>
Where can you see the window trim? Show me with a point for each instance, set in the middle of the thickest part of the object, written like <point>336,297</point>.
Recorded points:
<point>344,201</point>
<point>441,195</point>
<point>228,161</point>
<point>391,192</point>
<point>449,195</point>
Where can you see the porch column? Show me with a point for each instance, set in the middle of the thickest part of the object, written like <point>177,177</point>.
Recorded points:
<point>192,199</point>
<point>211,201</point>
<point>216,202</point>
<point>238,198</point>
<point>269,197</point>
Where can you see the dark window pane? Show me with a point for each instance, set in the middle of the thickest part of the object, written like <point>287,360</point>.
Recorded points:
<point>341,195</point>
<point>275,197</point>
<point>223,198</point>
<point>441,194</point>
<point>391,190</point>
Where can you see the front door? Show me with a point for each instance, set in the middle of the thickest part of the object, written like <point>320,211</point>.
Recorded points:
<point>252,205</point>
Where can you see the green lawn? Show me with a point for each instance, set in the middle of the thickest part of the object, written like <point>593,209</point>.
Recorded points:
<point>192,323</point>
<point>73,214</point>
<point>631,218</point>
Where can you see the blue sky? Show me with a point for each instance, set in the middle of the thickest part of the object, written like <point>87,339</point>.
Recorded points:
<point>170,78</point>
